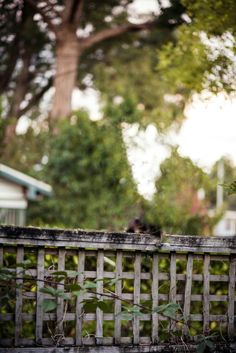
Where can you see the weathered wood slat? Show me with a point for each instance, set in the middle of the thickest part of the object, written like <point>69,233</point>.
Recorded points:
<point>137,289</point>
<point>103,240</point>
<point>39,303</point>
<point>99,312</point>
<point>172,294</point>
<point>19,299</point>
<point>60,300</point>
<point>198,244</point>
<point>187,293</point>
<point>130,275</point>
<point>1,255</point>
<point>79,305</point>
<point>206,293</point>
<point>104,349</point>
<point>155,297</point>
<point>118,291</point>
<point>77,238</point>
<point>110,317</point>
<point>231,291</point>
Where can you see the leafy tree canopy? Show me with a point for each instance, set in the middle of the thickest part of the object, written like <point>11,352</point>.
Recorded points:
<point>203,56</point>
<point>105,38</point>
<point>229,175</point>
<point>176,206</point>
<point>90,176</point>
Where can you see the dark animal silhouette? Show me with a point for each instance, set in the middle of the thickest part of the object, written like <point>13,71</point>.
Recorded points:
<point>136,225</point>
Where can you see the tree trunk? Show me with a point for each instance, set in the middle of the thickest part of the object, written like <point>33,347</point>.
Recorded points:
<point>67,59</point>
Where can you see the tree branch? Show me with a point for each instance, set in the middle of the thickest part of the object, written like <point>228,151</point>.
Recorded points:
<point>112,33</point>
<point>67,11</point>
<point>6,77</point>
<point>33,4</point>
<point>34,100</point>
<point>78,12</point>
<point>70,10</point>
<point>51,7</point>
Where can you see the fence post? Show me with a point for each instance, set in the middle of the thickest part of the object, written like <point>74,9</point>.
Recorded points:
<point>155,290</point>
<point>39,297</point>
<point>79,305</point>
<point>231,293</point>
<point>137,282</point>
<point>118,292</point>
<point>187,293</point>
<point>19,295</point>
<point>99,312</point>
<point>206,293</point>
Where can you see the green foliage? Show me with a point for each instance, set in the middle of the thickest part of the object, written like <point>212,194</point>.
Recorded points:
<point>49,305</point>
<point>90,176</point>
<point>228,185</point>
<point>230,188</point>
<point>148,87</point>
<point>168,310</point>
<point>25,35</point>
<point>26,151</point>
<point>175,206</point>
<point>206,343</point>
<point>203,56</point>
<point>174,62</point>
<point>124,112</point>
<point>70,291</point>
<point>212,16</point>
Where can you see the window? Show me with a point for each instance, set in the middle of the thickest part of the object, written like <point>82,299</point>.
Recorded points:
<point>12,216</point>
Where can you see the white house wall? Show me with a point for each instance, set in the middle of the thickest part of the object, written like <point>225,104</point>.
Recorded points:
<point>12,195</point>
<point>227,225</point>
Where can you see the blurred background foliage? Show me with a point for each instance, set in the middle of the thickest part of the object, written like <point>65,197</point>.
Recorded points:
<point>86,161</point>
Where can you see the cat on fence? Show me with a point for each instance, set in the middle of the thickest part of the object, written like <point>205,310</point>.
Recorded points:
<point>136,225</point>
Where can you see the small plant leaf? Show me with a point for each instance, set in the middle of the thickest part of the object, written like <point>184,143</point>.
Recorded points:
<point>73,287</point>
<point>126,316</point>
<point>59,273</point>
<point>59,279</point>
<point>74,273</point>
<point>103,306</point>
<point>24,264</point>
<point>230,188</point>
<point>201,347</point>
<point>135,311</point>
<point>89,285</point>
<point>6,276</point>
<point>49,305</point>
<point>79,293</point>
<point>114,281</point>
<point>49,290</point>
<point>60,293</point>
<point>169,309</point>
<point>209,343</point>
<point>99,280</point>
<point>90,305</point>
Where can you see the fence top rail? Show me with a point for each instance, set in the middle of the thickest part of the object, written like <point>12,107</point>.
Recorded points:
<point>32,236</point>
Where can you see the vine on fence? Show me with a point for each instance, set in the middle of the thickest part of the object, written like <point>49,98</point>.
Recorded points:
<point>64,285</point>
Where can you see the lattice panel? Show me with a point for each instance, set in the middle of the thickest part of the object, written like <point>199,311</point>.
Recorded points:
<point>202,283</point>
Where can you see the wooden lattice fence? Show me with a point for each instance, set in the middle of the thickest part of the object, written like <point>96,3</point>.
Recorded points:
<point>196,272</point>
